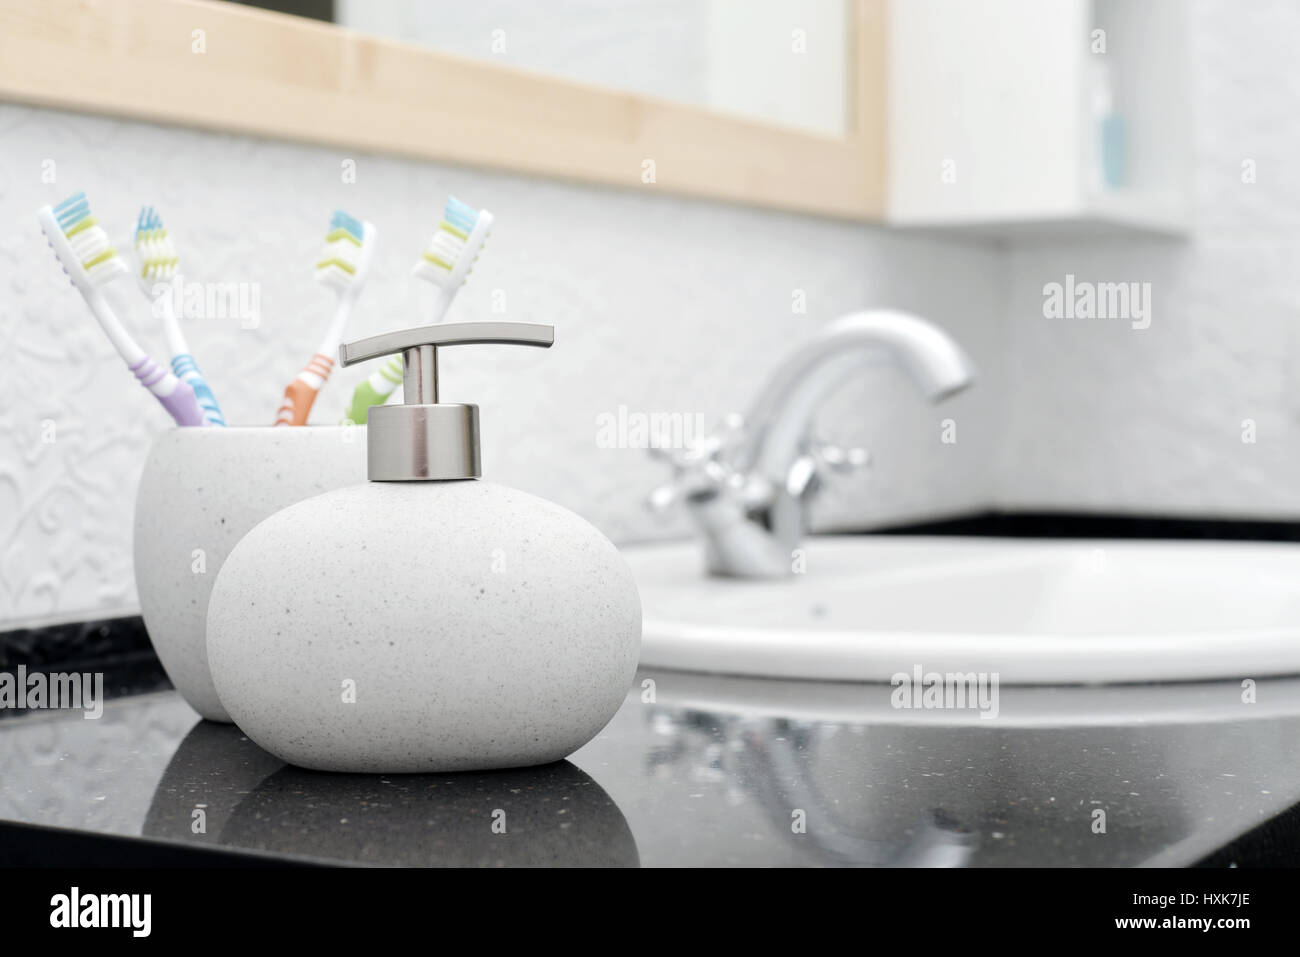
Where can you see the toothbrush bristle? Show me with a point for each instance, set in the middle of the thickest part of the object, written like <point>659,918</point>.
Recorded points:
<point>344,242</point>
<point>158,257</point>
<point>72,210</point>
<point>354,227</point>
<point>89,243</point>
<point>449,243</point>
<point>461,215</point>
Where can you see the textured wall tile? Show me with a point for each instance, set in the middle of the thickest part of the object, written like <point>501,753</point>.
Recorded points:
<point>660,304</point>
<point>1105,417</point>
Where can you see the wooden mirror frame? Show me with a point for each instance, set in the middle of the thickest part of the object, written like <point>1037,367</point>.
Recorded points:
<point>273,75</point>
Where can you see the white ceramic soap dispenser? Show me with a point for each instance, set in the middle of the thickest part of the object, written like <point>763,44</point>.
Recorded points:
<point>424,620</point>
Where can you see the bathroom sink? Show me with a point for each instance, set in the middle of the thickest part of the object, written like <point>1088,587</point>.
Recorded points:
<point>1033,611</point>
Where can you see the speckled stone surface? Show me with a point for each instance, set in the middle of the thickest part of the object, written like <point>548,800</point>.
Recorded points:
<point>552,816</point>
<point>201,491</point>
<point>403,627</point>
<point>707,771</point>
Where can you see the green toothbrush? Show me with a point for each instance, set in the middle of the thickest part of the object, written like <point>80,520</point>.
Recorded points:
<point>447,262</point>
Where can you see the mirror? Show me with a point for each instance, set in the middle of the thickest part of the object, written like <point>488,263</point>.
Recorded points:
<point>783,62</point>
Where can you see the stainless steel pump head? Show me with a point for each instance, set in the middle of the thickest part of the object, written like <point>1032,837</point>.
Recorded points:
<point>424,440</point>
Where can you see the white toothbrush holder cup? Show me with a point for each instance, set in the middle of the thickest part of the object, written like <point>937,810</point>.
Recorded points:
<point>202,489</point>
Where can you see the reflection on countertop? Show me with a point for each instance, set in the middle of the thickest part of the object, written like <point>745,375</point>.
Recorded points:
<point>222,789</point>
<point>710,770</point>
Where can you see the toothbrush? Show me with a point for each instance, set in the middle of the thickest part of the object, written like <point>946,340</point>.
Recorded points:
<point>90,261</point>
<point>349,246</point>
<point>447,262</point>
<point>159,278</point>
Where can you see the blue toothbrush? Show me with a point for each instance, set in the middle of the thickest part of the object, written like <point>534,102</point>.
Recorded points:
<point>159,278</point>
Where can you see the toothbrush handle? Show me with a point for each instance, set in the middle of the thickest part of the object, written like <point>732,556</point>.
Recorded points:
<point>176,396</point>
<point>374,390</point>
<point>187,370</point>
<point>300,394</point>
<point>363,397</point>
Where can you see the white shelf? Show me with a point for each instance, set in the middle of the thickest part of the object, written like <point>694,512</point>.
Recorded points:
<point>992,125</point>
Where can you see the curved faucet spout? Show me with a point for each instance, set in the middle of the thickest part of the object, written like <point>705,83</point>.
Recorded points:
<point>746,489</point>
<point>779,419</point>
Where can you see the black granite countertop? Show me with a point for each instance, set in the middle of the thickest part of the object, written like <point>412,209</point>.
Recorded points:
<point>707,770</point>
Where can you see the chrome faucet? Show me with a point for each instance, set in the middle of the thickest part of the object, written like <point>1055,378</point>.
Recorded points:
<point>747,485</point>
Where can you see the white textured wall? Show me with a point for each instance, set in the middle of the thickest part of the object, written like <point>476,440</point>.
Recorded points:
<point>677,306</point>
<point>1101,416</point>
<point>660,304</point>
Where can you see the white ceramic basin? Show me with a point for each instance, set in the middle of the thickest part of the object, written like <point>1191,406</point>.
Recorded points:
<point>1031,611</point>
